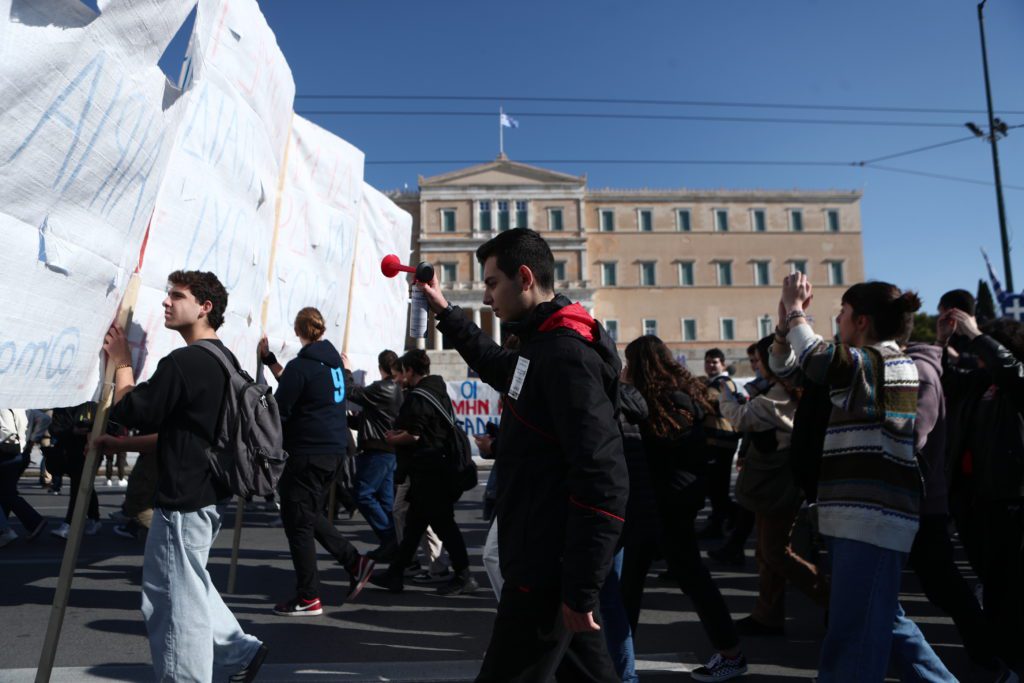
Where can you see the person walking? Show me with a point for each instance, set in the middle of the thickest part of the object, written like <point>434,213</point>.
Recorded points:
<point>311,399</point>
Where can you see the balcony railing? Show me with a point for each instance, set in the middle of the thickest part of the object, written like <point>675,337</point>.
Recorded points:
<point>476,285</point>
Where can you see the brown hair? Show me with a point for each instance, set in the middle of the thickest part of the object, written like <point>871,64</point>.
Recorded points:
<point>655,374</point>
<point>309,324</point>
<point>204,287</point>
<point>890,309</point>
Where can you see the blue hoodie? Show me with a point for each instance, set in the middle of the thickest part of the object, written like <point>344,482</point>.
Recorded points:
<point>311,397</point>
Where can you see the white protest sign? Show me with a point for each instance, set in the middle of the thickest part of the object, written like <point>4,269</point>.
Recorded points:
<point>216,208</point>
<point>476,405</point>
<point>380,306</point>
<point>86,124</point>
<point>316,235</point>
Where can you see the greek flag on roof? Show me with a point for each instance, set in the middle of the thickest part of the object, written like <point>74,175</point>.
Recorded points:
<point>507,121</point>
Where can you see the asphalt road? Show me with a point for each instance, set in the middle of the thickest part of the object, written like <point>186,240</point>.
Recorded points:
<point>415,636</point>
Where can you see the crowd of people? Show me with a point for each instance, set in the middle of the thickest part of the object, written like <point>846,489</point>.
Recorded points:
<point>859,453</point>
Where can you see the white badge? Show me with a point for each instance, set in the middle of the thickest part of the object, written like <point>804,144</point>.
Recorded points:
<point>517,378</point>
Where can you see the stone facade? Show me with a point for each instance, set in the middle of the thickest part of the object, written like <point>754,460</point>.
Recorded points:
<point>699,268</point>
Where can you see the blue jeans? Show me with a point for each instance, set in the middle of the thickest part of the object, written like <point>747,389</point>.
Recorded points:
<point>867,625</point>
<point>191,630</point>
<point>616,625</point>
<point>375,491</point>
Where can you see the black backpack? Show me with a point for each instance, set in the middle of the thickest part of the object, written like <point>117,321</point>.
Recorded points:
<point>458,455</point>
<point>247,454</point>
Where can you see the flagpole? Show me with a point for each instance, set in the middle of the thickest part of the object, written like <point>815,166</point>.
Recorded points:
<point>501,133</point>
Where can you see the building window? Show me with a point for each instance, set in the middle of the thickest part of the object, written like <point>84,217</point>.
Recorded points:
<point>832,220</point>
<point>612,326</point>
<point>686,274</point>
<point>798,266</point>
<point>721,220</point>
<point>758,221</point>
<point>724,273</point>
<point>485,216</point>
<point>560,270</point>
<point>555,220</point>
<point>647,275</point>
<point>727,328</point>
<point>448,220</point>
<point>520,214</point>
<point>650,326</point>
<point>503,216</point>
<point>762,273</point>
<point>609,274</point>
<point>449,272</point>
<point>689,329</point>
<point>607,220</point>
<point>683,220</point>
<point>645,220</point>
<point>835,273</point>
<point>796,220</point>
<point>765,326</point>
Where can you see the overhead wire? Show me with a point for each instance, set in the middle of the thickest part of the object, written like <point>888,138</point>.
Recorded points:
<point>651,102</point>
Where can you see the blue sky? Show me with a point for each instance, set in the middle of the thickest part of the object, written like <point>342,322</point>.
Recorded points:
<point>919,232</point>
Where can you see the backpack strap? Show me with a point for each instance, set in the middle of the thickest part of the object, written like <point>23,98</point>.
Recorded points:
<point>215,351</point>
<point>434,402</point>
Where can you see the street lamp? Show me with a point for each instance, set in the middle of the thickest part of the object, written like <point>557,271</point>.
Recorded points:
<point>995,128</point>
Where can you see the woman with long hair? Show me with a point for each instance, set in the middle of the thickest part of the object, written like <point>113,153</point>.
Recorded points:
<point>674,441</point>
<point>869,492</point>
<point>767,487</point>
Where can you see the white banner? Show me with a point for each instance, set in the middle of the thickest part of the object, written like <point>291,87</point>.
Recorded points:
<point>216,207</point>
<point>84,139</point>
<point>380,306</point>
<point>95,146</point>
<point>316,235</point>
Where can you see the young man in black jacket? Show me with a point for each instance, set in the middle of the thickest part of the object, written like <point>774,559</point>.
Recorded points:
<point>190,628</point>
<point>563,484</point>
<point>375,464</point>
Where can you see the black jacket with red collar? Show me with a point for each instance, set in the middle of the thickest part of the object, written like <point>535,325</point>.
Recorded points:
<point>562,478</point>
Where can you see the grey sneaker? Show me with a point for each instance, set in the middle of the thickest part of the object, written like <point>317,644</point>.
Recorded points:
<point>425,578</point>
<point>462,584</point>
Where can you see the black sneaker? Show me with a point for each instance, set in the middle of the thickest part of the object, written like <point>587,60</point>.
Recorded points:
<point>413,569</point>
<point>462,584</point>
<point>711,531</point>
<point>360,572</point>
<point>32,535</point>
<point>388,580</point>
<point>749,626</point>
<point>298,607</point>
<point>720,668</point>
<point>248,674</point>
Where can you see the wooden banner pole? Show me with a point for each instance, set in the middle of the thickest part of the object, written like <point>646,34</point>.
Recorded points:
<point>85,490</point>
<point>236,538</point>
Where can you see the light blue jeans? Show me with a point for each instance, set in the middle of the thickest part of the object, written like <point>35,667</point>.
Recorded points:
<point>191,630</point>
<point>616,624</point>
<point>866,623</point>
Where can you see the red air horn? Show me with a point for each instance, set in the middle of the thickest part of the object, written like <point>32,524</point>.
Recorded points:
<point>391,266</point>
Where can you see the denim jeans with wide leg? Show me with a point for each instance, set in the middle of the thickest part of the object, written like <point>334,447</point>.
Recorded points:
<point>191,630</point>
<point>866,625</point>
<point>375,492</point>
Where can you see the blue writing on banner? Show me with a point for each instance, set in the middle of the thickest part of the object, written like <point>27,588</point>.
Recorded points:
<point>40,359</point>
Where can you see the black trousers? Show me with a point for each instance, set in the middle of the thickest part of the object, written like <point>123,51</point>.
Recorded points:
<point>530,644</point>
<point>719,478</point>
<point>303,488</point>
<point>931,557</point>
<point>74,464</point>
<point>11,500</point>
<point>742,527</point>
<point>431,503</point>
<point>678,507</point>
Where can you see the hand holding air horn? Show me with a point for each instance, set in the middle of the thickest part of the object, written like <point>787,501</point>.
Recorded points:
<point>391,266</point>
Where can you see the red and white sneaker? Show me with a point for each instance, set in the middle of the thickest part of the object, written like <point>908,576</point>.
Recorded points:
<point>297,607</point>
<point>360,573</point>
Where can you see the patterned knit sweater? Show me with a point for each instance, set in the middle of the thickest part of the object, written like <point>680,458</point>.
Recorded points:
<point>870,488</point>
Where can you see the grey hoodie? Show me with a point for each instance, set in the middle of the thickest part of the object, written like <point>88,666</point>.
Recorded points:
<point>930,428</point>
